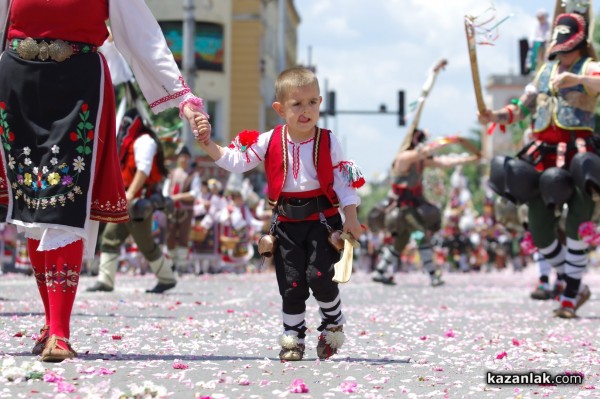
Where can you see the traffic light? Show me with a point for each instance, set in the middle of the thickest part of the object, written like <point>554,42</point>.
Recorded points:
<point>330,103</point>
<point>401,116</point>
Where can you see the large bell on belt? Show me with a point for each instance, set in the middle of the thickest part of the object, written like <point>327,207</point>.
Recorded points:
<point>376,216</point>
<point>497,179</point>
<point>556,187</point>
<point>522,181</point>
<point>585,169</point>
<point>506,213</point>
<point>141,209</point>
<point>393,220</point>
<point>158,201</point>
<point>169,205</point>
<point>430,215</point>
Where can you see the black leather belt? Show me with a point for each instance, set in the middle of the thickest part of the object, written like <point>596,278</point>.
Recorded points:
<point>301,208</point>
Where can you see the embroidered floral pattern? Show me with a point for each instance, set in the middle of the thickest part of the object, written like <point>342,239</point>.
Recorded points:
<point>63,278</point>
<point>37,178</point>
<point>6,135</point>
<point>108,206</point>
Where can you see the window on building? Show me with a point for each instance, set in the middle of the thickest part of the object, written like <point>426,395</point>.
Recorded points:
<point>208,43</point>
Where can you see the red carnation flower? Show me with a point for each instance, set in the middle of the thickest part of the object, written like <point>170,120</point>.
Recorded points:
<point>74,136</point>
<point>248,137</point>
<point>2,105</point>
<point>84,107</point>
<point>90,135</point>
<point>11,136</point>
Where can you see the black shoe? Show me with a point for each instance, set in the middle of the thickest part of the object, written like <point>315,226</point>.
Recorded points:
<point>383,279</point>
<point>99,287</point>
<point>159,288</point>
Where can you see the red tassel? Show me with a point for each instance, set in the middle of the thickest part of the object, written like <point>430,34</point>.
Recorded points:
<point>358,183</point>
<point>493,127</point>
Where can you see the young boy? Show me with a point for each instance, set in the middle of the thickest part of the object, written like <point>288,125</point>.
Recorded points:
<point>308,180</point>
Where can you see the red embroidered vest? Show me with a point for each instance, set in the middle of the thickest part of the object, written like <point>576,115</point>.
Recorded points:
<point>276,163</point>
<point>127,158</point>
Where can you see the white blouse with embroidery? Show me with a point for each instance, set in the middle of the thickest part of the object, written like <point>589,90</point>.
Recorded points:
<point>302,175</point>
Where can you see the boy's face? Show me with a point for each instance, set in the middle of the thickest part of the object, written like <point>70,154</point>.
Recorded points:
<point>300,108</point>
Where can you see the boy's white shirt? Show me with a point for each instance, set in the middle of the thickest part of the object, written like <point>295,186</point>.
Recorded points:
<point>236,161</point>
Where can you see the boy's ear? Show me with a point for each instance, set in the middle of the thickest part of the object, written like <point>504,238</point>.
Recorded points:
<point>278,108</point>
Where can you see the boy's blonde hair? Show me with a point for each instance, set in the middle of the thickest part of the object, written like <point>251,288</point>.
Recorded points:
<point>293,78</point>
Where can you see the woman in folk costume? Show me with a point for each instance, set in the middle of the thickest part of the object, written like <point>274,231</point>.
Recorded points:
<point>57,128</point>
<point>560,166</point>
<point>308,180</point>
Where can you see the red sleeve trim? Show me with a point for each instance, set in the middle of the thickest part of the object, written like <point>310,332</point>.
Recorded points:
<point>173,96</point>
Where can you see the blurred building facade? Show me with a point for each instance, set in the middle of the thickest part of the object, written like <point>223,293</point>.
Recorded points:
<point>500,90</point>
<point>241,46</point>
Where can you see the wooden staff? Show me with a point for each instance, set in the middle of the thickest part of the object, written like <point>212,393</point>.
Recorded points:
<point>470,30</point>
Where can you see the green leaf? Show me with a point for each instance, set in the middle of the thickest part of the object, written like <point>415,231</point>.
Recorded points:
<point>88,150</point>
<point>80,126</point>
<point>35,375</point>
<point>88,126</point>
<point>80,149</point>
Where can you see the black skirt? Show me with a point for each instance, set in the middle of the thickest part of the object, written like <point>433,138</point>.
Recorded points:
<point>48,131</point>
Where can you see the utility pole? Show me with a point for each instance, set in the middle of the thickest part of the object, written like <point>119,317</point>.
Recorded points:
<point>189,62</point>
<point>281,35</point>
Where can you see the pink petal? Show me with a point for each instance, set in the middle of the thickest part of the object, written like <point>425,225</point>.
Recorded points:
<point>180,366</point>
<point>298,386</point>
<point>65,387</point>
<point>49,376</point>
<point>348,386</point>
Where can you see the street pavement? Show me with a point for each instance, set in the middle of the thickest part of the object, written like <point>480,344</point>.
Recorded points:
<point>215,336</point>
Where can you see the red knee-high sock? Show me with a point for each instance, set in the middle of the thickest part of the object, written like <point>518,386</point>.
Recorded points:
<point>62,268</point>
<point>39,271</point>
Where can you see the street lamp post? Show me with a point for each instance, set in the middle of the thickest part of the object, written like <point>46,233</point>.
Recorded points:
<point>188,61</point>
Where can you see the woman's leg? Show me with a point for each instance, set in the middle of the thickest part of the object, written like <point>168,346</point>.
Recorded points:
<point>63,266</point>
<point>39,271</point>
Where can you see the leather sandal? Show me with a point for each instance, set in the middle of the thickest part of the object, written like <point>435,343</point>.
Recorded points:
<point>54,353</point>
<point>40,343</point>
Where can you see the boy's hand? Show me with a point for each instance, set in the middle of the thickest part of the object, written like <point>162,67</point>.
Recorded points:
<point>353,227</point>
<point>203,129</point>
<point>198,120</point>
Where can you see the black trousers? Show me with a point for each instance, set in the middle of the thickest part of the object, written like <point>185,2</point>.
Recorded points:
<point>304,261</point>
